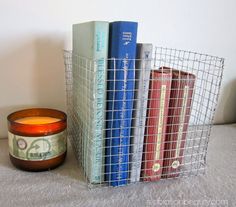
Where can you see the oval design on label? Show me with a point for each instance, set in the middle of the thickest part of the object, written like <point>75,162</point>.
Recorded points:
<point>21,144</point>
<point>175,164</point>
<point>156,167</point>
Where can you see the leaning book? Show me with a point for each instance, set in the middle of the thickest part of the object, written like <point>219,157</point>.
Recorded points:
<point>182,88</point>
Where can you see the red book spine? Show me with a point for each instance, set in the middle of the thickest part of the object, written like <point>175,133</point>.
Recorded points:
<point>178,119</point>
<point>158,100</point>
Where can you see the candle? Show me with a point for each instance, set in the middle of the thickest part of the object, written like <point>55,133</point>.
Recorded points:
<point>37,120</point>
<point>37,138</point>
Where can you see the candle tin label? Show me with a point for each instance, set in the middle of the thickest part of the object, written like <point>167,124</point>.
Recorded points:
<point>37,148</point>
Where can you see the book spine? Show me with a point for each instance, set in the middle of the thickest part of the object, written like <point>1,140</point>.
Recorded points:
<point>178,118</point>
<point>101,32</point>
<point>158,102</point>
<point>142,76</point>
<point>121,84</point>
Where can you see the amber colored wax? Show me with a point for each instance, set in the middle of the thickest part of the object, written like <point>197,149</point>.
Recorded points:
<point>37,120</point>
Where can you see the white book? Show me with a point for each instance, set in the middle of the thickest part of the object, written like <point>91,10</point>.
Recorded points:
<point>142,78</point>
<point>90,51</point>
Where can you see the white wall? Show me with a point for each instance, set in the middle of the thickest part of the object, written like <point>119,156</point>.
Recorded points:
<point>33,34</point>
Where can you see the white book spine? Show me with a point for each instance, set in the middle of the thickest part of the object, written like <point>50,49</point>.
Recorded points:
<point>142,77</point>
<point>90,46</point>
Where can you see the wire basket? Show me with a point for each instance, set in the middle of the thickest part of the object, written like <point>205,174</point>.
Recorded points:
<point>152,124</point>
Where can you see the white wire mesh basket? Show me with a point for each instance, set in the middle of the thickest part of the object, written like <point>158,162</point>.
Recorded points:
<point>153,123</point>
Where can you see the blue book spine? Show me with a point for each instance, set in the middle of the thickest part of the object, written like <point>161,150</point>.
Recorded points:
<point>120,85</point>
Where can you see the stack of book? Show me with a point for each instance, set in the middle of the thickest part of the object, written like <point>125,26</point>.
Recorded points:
<point>139,115</point>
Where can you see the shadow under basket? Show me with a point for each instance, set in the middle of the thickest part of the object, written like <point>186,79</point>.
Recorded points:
<point>141,120</point>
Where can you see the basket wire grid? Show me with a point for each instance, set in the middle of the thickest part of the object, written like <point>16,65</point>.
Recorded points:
<point>84,106</point>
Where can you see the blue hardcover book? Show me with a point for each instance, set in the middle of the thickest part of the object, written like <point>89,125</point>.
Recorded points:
<point>120,85</point>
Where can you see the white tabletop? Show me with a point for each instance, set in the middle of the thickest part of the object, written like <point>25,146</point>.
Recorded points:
<point>65,186</point>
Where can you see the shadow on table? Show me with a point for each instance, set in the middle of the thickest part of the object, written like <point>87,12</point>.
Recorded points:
<point>70,168</point>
